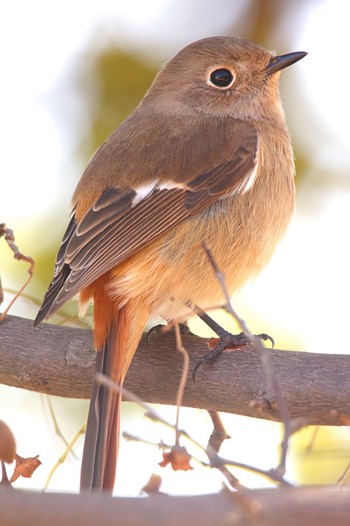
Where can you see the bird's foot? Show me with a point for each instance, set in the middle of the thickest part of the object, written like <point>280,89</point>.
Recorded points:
<point>225,341</point>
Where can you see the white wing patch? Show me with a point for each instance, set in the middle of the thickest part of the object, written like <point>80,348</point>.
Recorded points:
<point>144,191</point>
<point>248,181</point>
<point>170,185</point>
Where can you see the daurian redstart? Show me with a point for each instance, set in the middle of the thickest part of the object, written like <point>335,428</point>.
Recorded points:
<point>205,157</point>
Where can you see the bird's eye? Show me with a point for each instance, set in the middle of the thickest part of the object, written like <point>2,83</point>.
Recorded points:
<point>221,78</point>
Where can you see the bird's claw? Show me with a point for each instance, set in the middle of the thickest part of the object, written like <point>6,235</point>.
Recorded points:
<point>228,341</point>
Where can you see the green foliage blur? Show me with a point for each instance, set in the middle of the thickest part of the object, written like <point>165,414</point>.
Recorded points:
<point>119,81</point>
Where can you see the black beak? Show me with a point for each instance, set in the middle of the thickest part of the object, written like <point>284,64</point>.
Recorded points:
<point>283,61</point>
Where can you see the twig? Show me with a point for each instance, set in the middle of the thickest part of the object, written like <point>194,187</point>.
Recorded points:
<point>1,292</point>
<point>161,445</point>
<point>271,474</point>
<point>215,440</point>
<point>63,457</point>
<point>134,438</point>
<point>219,432</point>
<point>10,238</point>
<point>344,476</point>
<point>215,460</point>
<point>65,317</point>
<point>311,444</point>
<point>265,361</point>
<point>183,379</point>
<point>25,295</point>
<point>131,397</point>
<point>57,429</point>
<point>5,482</point>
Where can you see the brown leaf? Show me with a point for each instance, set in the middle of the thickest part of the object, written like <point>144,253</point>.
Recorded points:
<point>344,419</point>
<point>178,458</point>
<point>25,467</point>
<point>153,484</point>
<point>7,443</point>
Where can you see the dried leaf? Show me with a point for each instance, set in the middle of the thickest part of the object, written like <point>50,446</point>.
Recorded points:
<point>153,484</point>
<point>344,419</point>
<point>7,444</point>
<point>25,467</point>
<point>178,458</point>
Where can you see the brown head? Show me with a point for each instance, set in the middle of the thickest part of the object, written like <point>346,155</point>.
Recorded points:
<point>222,76</point>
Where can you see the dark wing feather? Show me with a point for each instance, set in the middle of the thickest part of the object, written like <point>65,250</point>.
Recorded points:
<point>60,259</point>
<point>114,228</point>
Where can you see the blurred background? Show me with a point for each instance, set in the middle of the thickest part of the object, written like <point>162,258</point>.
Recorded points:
<point>70,73</point>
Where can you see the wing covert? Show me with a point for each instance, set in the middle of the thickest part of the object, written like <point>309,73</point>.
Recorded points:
<point>118,225</point>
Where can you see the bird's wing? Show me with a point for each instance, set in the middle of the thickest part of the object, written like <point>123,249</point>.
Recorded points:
<point>123,221</point>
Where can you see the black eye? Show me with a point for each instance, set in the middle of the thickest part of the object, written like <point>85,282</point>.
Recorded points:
<point>221,78</point>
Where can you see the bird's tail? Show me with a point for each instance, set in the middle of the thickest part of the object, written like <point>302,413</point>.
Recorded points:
<point>102,432</point>
<point>120,330</point>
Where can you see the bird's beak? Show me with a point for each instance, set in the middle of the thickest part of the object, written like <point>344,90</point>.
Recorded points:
<point>283,61</point>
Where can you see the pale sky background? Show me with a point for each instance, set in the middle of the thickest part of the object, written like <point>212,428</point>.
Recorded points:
<point>304,291</point>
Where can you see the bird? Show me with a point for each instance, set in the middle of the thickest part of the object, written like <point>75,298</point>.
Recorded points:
<point>206,157</point>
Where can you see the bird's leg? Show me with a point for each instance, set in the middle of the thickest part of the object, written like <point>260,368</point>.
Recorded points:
<point>226,340</point>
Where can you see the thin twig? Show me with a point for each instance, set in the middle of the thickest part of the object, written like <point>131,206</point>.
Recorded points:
<point>219,432</point>
<point>65,317</point>
<point>215,440</point>
<point>183,379</point>
<point>1,292</point>
<point>63,457</point>
<point>265,361</point>
<point>215,460</point>
<point>57,429</point>
<point>5,482</point>
<point>311,444</point>
<point>271,474</point>
<point>160,445</point>
<point>134,438</point>
<point>25,295</point>
<point>10,238</point>
<point>344,477</point>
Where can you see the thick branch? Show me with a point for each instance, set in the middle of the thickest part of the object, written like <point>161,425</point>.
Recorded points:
<point>309,507</point>
<point>60,361</point>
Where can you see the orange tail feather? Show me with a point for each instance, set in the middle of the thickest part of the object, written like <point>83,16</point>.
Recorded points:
<point>102,433</point>
<point>121,329</point>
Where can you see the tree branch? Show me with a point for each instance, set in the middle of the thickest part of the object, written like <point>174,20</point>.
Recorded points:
<point>307,506</point>
<point>60,361</point>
